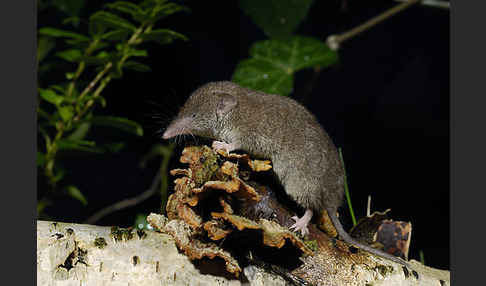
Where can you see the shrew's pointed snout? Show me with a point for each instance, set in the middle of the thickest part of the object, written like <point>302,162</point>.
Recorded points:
<point>168,134</point>
<point>177,127</point>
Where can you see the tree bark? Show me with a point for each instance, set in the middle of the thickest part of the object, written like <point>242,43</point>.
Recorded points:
<point>78,254</point>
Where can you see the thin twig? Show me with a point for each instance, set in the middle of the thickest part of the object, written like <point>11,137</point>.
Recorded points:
<point>432,3</point>
<point>95,81</point>
<point>81,67</point>
<point>127,202</point>
<point>90,102</point>
<point>335,40</point>
<point>368,207</point>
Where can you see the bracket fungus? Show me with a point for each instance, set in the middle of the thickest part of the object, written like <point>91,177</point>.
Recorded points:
<point>212,200</point>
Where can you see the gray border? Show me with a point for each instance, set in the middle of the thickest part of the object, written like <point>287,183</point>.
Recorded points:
<point>467,117</point>
<point>18,23</point>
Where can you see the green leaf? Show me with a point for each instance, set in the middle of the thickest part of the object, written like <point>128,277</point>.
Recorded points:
<point>44,46</point>
<point>272,63</point>
<point>41,159</point>
<point>74,20</point>
<point>58,33</point>
<point>59,175</point>
<point>41,205</point>
<point>79,145</point>
<point>80,132</point>
<point>107,19</point>
<point>163,36</point>
<point>346,189</point>
<point>50,96</point>
<point>95,28</point>
<point>71,55</point>
<point>69,75</point>
<point>137,53</point>
<point>132,9</point>
<point>161,11</point>
<point>66,112</point>
<point>116,35</point>
<point>119,123</point>
<point>76,194</point>
<point>136,66</point>
<point>102,100</point>
<point>101,58</point>
<point>261,75</point>
<point>277,18</point>
<point>57,88</point>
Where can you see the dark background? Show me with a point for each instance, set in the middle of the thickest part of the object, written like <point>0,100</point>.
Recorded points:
<point>386,104</point>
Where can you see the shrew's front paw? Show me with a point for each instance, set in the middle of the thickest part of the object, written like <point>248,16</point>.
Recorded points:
<point>219,145</point>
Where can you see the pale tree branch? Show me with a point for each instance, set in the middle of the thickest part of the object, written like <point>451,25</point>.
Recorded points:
<point>79,254</point>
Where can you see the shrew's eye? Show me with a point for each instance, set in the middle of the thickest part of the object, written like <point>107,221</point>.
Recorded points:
<point>193,115</point>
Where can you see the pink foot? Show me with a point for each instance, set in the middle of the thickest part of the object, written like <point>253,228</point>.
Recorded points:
<point>301,223</point>
<point>218,145</point>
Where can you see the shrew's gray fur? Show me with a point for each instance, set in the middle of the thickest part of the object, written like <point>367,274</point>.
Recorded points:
<point>304,158</point>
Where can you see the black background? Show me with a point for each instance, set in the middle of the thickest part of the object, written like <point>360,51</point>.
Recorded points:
<point>386,104</point>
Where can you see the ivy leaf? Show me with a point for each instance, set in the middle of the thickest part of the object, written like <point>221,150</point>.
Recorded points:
<point>163,36</point>
<point>79,145</point>
<point>50,96</point>
<point>272,63</point>
<point>76,194</point>
<point>277,18</point>
<point>137,13</point>
<point>71,55</point>
<point>119,123</point>
<point>136,66</point>
<point>107,19</point>
<point>58,33</point>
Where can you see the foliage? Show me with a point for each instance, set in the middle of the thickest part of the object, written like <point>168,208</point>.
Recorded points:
<point>111,44</point>
<point>273,62</point>
<point>277,18</point>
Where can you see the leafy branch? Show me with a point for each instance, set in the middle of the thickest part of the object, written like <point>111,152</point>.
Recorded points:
<point>65,110</point>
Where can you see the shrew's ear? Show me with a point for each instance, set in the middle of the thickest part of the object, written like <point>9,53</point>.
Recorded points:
<point>226,102</point>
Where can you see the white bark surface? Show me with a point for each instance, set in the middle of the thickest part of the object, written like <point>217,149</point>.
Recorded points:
<point>159,262</point>
<point>155,260</point>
